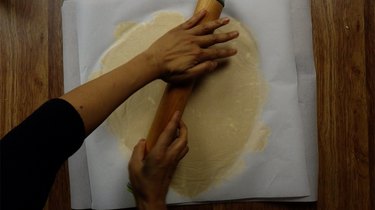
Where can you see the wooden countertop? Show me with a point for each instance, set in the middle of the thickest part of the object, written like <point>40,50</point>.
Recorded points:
<point>344,46</point>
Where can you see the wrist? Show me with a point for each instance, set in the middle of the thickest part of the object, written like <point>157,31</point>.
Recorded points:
<point>151,205</point>
<point>149,59</point>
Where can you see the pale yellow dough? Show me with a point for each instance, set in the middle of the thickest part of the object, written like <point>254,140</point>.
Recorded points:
<point>223,113</point>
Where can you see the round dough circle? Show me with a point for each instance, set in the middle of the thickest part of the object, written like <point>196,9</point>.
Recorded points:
<point>221,115</point>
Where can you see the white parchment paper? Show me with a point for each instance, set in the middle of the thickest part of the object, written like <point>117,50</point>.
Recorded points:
<point>279,172</point>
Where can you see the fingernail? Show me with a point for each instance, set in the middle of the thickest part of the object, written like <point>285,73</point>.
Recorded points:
<point>232,51</point>
<point>225,20</point>
<point>177,114</point>
<point>203,11</point>
<point>234,33</point>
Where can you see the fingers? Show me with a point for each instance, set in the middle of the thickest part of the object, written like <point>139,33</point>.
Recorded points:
<point>176,145</point>
<point>183,153</point>
<point>209,27</point>
<point>206,63</point>
<point>209,40</point>
<point>179,148</point>
<point>194,72</point>
<point>169,133</point>
<point>216,53</point>
<point>138,154</point>
<point>194,20</point>
<point>183,130</point>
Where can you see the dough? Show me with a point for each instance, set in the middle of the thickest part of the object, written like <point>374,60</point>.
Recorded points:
<point>222,114</point>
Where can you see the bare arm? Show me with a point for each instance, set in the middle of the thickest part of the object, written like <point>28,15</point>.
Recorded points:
<point>97,99</point>
<point>180,54</point>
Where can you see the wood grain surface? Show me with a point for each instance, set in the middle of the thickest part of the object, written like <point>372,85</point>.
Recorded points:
<point>344,44</point>
<point>345,94</point>
<point>31,70</point>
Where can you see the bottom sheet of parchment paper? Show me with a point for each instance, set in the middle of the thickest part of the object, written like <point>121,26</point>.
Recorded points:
<point>285,170</point>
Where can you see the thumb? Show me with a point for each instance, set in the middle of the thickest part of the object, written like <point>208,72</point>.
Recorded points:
<point>139,151</point>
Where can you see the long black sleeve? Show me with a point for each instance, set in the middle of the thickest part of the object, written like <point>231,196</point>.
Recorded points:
<point>32,153</point>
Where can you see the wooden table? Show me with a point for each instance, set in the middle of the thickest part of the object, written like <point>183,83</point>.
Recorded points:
<point>344,43</point>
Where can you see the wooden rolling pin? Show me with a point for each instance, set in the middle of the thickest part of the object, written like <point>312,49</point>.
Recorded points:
<point>175,97</point>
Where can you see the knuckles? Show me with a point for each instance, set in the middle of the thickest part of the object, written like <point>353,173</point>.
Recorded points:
<point>215,38</point>
<point>189,23</point>
<point>159,158</point>
<point>206,28</point>
<point>198,52</point>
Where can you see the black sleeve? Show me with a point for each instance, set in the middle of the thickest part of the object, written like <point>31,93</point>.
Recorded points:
<point>32,153</point>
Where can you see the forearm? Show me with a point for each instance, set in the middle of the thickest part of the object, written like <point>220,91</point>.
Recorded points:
<point>180,54</point>
<point>97,99</point>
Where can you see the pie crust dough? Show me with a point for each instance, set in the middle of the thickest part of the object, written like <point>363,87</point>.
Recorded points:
<point>222,115</point>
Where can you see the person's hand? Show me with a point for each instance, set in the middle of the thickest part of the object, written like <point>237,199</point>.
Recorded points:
<point>183,52</point>
<point>150,174</point>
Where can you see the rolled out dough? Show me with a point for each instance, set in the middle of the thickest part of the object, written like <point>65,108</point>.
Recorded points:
<point>223,113</point>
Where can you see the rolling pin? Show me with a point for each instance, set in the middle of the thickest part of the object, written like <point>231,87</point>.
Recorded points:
<point>175,97</point>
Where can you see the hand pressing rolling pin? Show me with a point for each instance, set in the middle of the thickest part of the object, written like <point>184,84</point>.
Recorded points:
<point>32,153</point>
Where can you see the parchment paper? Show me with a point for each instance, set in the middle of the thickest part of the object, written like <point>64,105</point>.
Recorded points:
<point>279,172</point>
